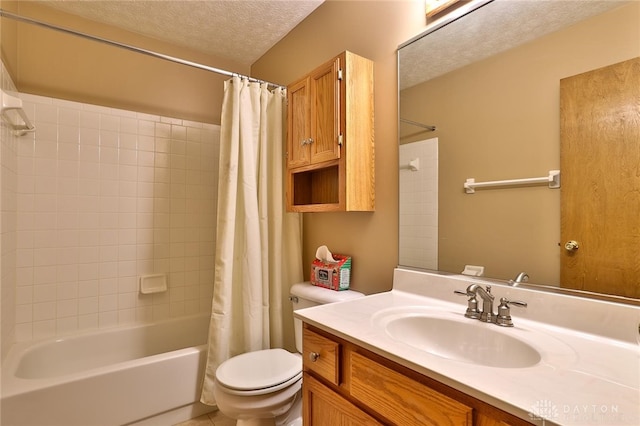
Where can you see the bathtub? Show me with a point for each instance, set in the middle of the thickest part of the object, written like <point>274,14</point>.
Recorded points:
<point>144,375</point>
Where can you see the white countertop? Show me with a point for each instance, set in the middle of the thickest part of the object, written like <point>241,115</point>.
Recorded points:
<point>590,368</point>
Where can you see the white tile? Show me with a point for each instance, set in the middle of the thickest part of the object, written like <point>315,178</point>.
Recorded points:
<point>146,143</point>
<point>127,236</point>
<point>88,288</point>
<point>129,156</point>
<point>68,134</point>
<point>69,152</point>
<point>109,122</point>
<point>88,271</point>
<point>46,113</point>
<point>24,313</point>
<point>89,136</point>
<point>88,170</point>
<point>126,316</point>
<point>108,270</point>
<point>44,329</point>
<point>162,145</point>
<point>89,119</point>
<point>67,308</point>
<point>127,301</point>
<point>88,305</point>
<point>24,332</point>
<point>108,302</point>
<point>163,130</point>
<point>43,275</point>
<point>44,311</point>
<point>88,322</point>
<point>128,125</point>
<point>67,325</point>
<point>24,295</point>
<point>108,319</point>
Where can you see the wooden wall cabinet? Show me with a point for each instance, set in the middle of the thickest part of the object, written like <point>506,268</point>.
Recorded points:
<point>348,385</point>
<point>330,141</point>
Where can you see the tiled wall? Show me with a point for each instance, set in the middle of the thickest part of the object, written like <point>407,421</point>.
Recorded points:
<point>104,196</point>
<point>8,209</point>
<point>419,205</point>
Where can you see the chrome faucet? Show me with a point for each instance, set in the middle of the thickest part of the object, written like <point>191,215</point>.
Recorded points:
<point>502,318</point>
<point>486,315</point>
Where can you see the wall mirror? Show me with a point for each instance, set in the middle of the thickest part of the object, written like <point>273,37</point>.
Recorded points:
<point>480,97</point>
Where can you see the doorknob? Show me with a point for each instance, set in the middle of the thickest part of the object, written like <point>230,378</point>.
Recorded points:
<point>571,245</point>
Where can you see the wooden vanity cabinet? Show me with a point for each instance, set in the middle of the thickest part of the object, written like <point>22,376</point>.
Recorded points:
<point>345,384</point>
<point>330,145</point>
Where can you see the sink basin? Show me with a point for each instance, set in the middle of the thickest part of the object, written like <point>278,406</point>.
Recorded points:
<point>461,339</point>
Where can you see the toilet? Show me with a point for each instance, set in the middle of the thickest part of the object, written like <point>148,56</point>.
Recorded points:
<point>265,387</point>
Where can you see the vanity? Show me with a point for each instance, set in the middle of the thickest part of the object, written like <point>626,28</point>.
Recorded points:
<point>410,357</point>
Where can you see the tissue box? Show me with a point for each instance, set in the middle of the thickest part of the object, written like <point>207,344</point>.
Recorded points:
<point>333,275</point>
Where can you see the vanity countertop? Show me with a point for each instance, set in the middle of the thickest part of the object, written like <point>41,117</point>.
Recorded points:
<point>589,373</point>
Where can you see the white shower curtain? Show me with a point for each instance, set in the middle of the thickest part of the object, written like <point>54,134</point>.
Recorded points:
<point>258,244</point>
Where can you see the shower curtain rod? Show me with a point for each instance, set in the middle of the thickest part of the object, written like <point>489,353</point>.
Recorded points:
<point>151,53</point>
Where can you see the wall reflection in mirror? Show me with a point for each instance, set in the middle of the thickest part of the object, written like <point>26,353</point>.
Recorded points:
<point>490,83</point>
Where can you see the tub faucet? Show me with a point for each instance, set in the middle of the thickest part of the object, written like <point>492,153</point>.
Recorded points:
<point>486,315</point>
<point>522,277</point>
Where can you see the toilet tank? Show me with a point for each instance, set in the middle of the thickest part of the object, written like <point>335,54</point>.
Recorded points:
<point>304,295</point>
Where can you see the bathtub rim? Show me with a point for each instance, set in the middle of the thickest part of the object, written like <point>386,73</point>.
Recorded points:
<point>11,385</point>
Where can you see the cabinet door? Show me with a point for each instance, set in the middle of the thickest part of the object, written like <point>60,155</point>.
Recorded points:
<point>299,118</point>
<point>401,399</point>
<point>325,112</point>
<point>323,407</point>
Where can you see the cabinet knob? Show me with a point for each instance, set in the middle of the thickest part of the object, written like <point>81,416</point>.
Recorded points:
<point>307,141</point>
<point>313,356</point>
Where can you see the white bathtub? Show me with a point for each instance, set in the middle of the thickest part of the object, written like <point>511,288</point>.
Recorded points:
<point>144,374</point>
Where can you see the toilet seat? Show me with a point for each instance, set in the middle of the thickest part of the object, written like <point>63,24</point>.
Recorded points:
<point>259,372</point>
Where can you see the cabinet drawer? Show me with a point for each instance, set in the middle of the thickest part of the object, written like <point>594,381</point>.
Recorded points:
<point>400,399</point>
<point>320,355</point>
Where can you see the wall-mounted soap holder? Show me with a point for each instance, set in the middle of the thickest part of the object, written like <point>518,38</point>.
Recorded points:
<point>13,114</point>
<point>156,283</point>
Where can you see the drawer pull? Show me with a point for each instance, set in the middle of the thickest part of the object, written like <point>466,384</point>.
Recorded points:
<point>313,356</point>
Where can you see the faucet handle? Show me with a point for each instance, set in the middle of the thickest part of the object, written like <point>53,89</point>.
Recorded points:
<point>472,304</point>
<point>504,312</point>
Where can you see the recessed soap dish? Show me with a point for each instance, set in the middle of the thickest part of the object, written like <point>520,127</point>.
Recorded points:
<point>156,283</point>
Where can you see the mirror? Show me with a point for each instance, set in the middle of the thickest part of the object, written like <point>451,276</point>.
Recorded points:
<point>489,82</point>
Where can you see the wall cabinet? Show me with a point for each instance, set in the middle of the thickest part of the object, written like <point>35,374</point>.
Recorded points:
<point>346,384</point>
<point>330,143</point>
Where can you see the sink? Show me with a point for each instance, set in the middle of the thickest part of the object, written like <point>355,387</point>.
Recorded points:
<point>461,339</point>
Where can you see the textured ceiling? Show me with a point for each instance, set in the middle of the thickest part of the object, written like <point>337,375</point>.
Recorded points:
<point>495,27</point>
<point>240,30</point>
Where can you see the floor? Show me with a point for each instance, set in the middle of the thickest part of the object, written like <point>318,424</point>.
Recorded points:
<point>215,418</point>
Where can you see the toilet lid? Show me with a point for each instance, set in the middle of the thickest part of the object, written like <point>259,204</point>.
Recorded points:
<point>259,370</point>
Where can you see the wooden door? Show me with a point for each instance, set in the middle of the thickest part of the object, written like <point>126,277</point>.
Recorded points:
<point>298,123</point>
<point>600,194</point>
<point>325,112</point>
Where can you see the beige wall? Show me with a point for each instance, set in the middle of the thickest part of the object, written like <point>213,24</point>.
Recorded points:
<point>499,119</point>
<point>62,66</point>
<point>55,64</point>
<point>372,29</point>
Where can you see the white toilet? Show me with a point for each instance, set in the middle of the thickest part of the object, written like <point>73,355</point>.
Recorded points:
<point>264,387</point>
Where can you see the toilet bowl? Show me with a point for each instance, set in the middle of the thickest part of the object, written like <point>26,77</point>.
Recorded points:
<point>259,385</point>
<point>264,387</point>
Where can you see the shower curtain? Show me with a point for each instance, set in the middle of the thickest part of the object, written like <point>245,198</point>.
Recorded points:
<point>258,244</point>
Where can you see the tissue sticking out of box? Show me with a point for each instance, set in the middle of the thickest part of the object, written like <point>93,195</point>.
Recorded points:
<point>331,271</point>
<point>323,253</point>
